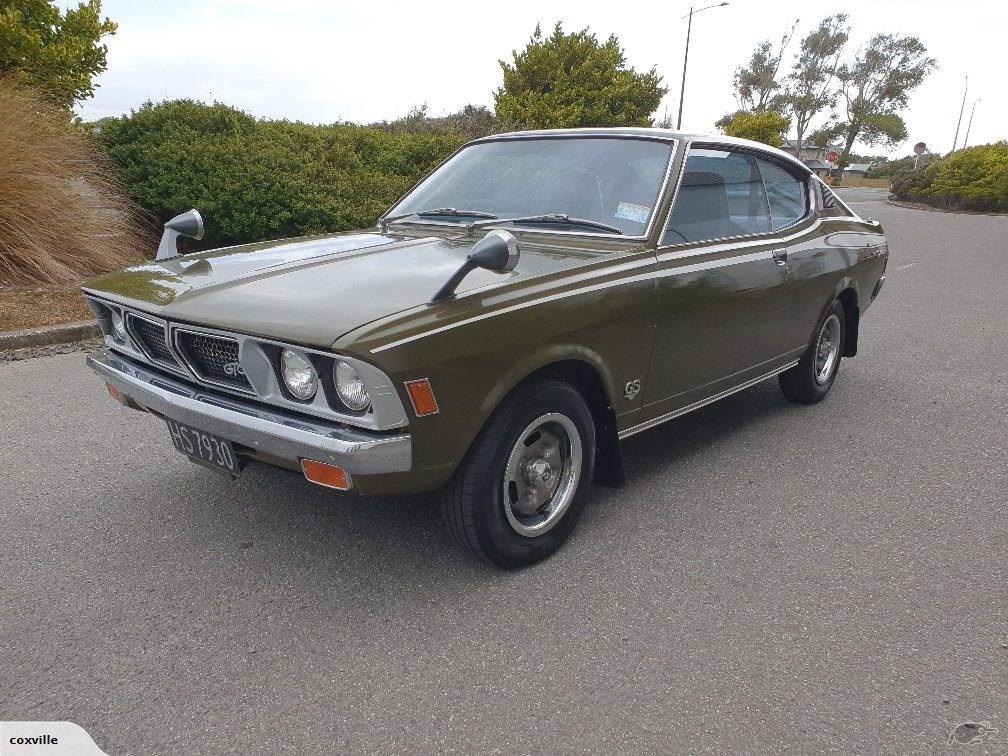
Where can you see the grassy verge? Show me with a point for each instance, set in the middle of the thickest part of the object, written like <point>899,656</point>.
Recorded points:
<point>34,306</point>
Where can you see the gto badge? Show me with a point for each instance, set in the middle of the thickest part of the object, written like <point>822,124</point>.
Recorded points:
<point>233,369</point>
<point>632,388</point>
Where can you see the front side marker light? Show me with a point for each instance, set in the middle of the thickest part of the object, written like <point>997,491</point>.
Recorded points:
<point>116,394</point>
<point>422,396</point>
<point>322,474</point>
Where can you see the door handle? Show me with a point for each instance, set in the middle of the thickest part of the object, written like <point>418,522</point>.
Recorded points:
<point>780,256</point>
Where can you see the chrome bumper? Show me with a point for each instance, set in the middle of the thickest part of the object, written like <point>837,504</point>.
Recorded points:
<point>270,433</point>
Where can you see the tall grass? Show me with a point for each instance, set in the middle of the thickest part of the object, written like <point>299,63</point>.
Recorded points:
<point>63,216</point>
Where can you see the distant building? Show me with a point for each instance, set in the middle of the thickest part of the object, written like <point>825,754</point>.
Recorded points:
<point>818,167</point>
<point>814,157</point>
<point>857,170</point>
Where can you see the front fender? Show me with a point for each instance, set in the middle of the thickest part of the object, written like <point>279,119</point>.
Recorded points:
<point>474,364</point>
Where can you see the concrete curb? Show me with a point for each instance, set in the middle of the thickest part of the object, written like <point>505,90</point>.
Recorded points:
<point>46,335</point>
<point>929,209</point>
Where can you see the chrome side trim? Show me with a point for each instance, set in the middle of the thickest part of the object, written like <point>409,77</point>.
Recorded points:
<point>266,432</point>
<point>752,240</point>
<point>633,430</point>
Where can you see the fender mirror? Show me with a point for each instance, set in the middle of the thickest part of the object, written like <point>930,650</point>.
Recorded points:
<point>497,251</point>
<point>187,224</point>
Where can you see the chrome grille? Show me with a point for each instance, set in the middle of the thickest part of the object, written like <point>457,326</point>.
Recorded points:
<point>214,359</point>
<point>151,338</point>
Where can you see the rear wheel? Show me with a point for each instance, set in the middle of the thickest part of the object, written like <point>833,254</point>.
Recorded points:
<point>519,492</point>
<point>812,378</point>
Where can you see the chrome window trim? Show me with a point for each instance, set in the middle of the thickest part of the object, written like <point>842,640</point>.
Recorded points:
<point>764,235</point>
<point>672,141</point>
<point>804,181</point>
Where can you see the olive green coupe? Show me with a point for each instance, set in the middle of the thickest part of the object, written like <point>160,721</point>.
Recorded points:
<point>537,298</point>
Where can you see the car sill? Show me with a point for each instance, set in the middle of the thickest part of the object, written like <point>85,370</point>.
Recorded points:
<point>647,425</point>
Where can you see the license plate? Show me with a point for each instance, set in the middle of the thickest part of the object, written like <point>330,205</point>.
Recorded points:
<point>204,448</point>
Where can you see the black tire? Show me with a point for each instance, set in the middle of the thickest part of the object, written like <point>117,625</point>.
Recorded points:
<point>473,502</point>
<point>800,384</point>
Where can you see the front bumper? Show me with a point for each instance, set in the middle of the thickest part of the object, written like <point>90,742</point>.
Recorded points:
<point>271,435</point>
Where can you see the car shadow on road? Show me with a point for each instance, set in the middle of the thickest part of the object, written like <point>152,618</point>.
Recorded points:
<point>290,524</point>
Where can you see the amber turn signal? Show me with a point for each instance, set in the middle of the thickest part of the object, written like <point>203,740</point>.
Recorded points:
<point>422,396</point>
<point>322,474</point>
<point>116,394</point>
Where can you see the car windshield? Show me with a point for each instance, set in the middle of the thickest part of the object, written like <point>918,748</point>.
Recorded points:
<point>603,180</point>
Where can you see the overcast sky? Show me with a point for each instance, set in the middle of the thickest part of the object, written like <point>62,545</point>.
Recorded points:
<point>322,61</point>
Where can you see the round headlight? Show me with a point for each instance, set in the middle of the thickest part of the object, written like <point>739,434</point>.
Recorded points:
<point>299,375</point>
<point>350,387</point>
<point>118,326</point>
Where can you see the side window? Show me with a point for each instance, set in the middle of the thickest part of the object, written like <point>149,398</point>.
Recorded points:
<point>721,195</point>
<point>788,195</point>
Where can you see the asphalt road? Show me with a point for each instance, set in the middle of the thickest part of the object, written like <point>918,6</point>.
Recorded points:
<point>773,578</point>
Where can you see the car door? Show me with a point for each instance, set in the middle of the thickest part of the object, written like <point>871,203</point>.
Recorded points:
<point>813,270</point>
<point>724,285</point>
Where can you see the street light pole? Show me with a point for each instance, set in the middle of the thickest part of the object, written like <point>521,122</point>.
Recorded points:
<point>961,109</point>
<point>970,124</point>
<point>689,28</point>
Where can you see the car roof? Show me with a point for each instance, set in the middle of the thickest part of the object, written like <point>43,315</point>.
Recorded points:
<point>649,133</point>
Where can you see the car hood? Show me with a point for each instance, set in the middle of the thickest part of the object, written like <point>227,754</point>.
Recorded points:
<point>310,290</point>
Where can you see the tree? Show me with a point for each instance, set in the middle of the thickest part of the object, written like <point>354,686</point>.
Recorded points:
<point>876,85</point>
<point>809,88</point>
<point>570,80</point>
<point>57,52</point>
<point>756,84</point>
<point>764,126</point>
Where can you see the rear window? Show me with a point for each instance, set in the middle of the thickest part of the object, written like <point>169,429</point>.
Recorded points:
<point>788,195</point>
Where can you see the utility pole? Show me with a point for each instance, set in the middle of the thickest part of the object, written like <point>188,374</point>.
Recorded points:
<point>689,28</point>
<point>961,109</point>
<point>970,124</point>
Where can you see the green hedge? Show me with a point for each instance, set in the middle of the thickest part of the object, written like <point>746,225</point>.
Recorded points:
<point>975,178</point>
<point>256,179</point>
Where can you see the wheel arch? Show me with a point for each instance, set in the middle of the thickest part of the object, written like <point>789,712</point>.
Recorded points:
<point>587,380</point>
<point>848,294</point>
<point>586,371</point>
<point>852,317</point>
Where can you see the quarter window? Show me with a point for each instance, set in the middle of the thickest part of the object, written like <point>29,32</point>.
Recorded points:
<point>787,194</point>
<point>721,195</point>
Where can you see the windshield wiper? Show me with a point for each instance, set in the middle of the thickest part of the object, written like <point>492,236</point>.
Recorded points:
<point>453,212</point>
<point>554,218</point>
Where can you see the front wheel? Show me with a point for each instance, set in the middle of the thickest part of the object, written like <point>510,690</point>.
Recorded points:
<point>519,492</point>
<point>812,378</point>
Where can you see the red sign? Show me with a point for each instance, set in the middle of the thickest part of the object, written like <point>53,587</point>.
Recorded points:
<point>832,156</point>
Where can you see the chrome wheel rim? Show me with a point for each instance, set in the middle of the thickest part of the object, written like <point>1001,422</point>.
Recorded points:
<point>542,474</point>
<point>827,349</point>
